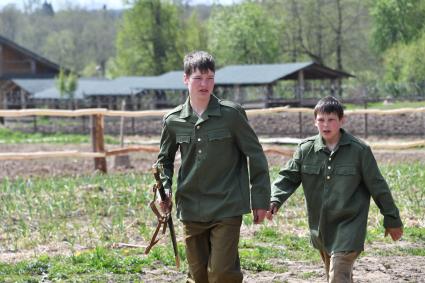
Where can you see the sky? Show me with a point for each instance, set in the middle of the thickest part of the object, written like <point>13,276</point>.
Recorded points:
<point>97,4</point>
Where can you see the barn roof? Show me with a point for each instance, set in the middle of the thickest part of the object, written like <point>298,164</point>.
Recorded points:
<point>168,81</point>
<point>34,85</point>
<point>269,73</point>
<point>226,76</point>
<point>41,59</point>
<point>86,87</point>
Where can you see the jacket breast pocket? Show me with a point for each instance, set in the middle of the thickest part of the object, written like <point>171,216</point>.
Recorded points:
<point>182,139</point>
<point>345,170</point>
<point>219,135</point>
<point>310,169</point>
<point>184,143</point>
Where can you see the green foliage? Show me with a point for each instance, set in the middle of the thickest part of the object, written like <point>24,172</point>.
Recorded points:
<point>98,262</point>
<point>72,37</point>
<point>61,45</point>
<point>57,206</point>
<point>396,21</point>
<point>405,67</point>
<point>256,257</point>
<point>147,41</point>
<point>409,176</point>
<point>292,247</point>
<point>243,34</point>
<point>155,34</point>
<point>9,21</point>
<point>66,84</point>
<point>195,33</point>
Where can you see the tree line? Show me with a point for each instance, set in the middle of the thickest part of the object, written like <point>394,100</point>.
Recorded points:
<point>381,42</point>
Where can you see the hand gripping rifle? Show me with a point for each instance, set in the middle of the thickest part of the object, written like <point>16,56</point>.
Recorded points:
<point>163,219</point>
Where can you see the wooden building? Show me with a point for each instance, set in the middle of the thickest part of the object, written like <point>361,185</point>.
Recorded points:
<point>268,85</point>
<point>17,62</point>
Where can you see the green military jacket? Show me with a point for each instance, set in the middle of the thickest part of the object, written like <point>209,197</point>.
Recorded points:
<point>213,181</point>
<point>337,187</point>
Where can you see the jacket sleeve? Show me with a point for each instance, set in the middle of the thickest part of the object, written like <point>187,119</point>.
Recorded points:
<point>379,190</point>
<point>288,180</point>
<point>249,144</point>
<point>166,156</point>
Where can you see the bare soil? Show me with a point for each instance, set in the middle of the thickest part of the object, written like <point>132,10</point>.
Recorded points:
<point>140,161</point>
<point>367,268</point>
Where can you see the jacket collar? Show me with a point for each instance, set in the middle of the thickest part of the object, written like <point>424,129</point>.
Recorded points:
<point>320,145</point>
<point>213,108</point>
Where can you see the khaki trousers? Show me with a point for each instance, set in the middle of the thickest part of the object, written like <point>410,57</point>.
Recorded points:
<point>339,266</point>
<point>212,250</point>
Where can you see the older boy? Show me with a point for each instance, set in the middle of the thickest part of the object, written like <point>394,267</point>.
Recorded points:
<point>215,143</point>
<point>339,174</point>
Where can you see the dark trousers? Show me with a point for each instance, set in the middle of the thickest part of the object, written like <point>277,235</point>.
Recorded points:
<point>212,250</point>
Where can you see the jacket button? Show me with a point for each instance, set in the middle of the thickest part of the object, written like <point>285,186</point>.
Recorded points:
<point>329,167</point>
<point>328,177</point>
<point>200,151</point>
<point>199,139</point>
<point>198,127</point>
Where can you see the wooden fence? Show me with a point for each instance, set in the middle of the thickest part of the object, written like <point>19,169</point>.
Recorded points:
<point>99,152</point>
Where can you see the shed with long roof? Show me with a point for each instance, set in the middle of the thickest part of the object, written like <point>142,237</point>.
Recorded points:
<point>268,75</point>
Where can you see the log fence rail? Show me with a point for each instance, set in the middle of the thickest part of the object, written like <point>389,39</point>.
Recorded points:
<point>99,152</point>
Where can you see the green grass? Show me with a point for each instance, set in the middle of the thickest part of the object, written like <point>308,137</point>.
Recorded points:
<point>100,263</point>
<point>86,216</point>
<point>8,136</point>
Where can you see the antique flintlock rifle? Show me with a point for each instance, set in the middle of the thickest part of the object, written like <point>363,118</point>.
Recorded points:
<point>163,219</point>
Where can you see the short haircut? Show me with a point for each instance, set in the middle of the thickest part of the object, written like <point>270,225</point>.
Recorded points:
<point>329,104</point>
<point>198,60</point>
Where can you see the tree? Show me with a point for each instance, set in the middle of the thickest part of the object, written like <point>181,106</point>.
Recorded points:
<point>147,40</point>
<point>397,21</point>
<point>67,84</point>
<point>405,68</point>
<point>74,38</point>
<point>329,32</point>
<point>61,47</point>
<point>98,37</point>
<point>195,33</point>
<point>9,21</point>
<point>243,34</point>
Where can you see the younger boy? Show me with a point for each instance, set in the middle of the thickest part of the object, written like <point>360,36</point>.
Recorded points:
<point>339,174</point>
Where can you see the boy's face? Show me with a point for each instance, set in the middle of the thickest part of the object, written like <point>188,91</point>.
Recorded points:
<point>200,85</point>
<point>329,125</point>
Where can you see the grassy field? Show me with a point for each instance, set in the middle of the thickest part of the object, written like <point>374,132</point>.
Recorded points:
<point>86,219</point>
<point>8,136</point>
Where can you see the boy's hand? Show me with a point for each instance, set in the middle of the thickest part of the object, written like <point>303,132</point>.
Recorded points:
<point>274,207</point>
<point>395,233</point>
<point>259,214</point>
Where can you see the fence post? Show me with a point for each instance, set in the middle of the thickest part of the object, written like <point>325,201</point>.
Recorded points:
<point>34,124</point>
<point>365,102</point>
<point>83,124</point>
<point>97,132</point>
<point>300,120</point>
